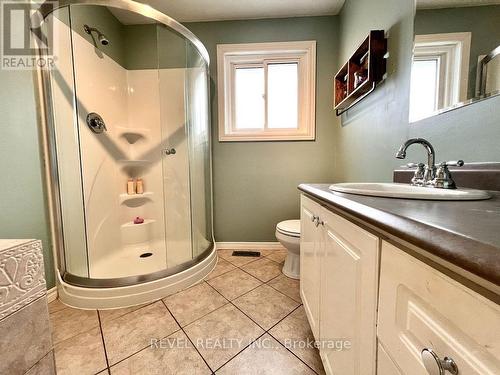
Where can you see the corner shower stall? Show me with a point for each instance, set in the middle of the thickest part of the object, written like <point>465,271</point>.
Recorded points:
<point>127,125</point>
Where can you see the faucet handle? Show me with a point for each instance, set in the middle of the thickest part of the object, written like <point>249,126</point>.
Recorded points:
<point>454,163</point>
<point>418,177</point>
<point>443,177</point>
<point>415,165</point>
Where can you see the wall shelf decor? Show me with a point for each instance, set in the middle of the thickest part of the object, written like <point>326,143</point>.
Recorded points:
<point>359,76</point>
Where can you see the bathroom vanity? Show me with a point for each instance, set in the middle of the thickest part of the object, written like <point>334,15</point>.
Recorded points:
<point>400,286</point>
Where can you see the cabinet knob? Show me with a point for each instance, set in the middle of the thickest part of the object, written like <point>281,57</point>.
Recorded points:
<point>318,222</point>
<point>436,366</point>
<point>170,151</point>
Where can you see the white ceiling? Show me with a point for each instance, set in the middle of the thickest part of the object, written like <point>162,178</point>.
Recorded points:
<point>216,10</point>
<point>429,4</point>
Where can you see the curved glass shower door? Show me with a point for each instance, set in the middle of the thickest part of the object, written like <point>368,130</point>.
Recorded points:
<point>135,184</point>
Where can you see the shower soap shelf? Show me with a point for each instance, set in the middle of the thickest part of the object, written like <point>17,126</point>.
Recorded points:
<point>136,233</point>
<point>134,163</point>
<point>133,135</point>
<point>131,223</point>
<point>133,197</point>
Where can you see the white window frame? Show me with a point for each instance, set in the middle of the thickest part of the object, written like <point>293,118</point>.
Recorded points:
<point>452,51</point>
<point>231,56</point>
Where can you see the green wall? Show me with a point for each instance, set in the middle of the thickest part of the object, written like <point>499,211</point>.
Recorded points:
<point>482,21</point>
<point>369,134</point>
<point>22,202</point>
<point>255,183</point>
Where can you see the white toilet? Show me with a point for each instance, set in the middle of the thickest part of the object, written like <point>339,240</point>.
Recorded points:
<point>288,234</point>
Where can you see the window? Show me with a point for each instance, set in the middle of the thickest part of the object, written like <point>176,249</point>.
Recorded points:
<point>266,91</point>
<point>439,75</point>
<point>424,88</point>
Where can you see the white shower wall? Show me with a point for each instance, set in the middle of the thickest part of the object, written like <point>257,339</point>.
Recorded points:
<point>149,103</point>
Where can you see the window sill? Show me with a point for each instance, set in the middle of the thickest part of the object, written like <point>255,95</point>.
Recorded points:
<point>265,137</point>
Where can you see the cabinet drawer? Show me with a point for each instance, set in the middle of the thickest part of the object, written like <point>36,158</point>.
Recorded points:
<point>419,307</point>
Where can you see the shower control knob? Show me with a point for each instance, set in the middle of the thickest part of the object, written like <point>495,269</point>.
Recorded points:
<point>96,123</point>
<point>170,151</point>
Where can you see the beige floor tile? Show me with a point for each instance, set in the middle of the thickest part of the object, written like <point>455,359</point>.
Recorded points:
<point>277,255</point>
<point>235,283</point>
<point>263,269</point>
<point>287,286</point>
<point>236,260</point>
<point>222,267</point>
<point>56,306</point>
<point>70,322</point>
<point>266,356</point>
<point>294,332</point>
<point>134,331</point>
<point>81,355</point>
<point>265,305</point>
<point>221,334</point>
<point>264,252</point>
<point>111,314</point>
<point>45,366</point>
<point>173,355</point>
<point>193,303</point>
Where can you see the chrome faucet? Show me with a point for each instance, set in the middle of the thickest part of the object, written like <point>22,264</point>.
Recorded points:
<point>428,175</point>
<point>430,168</point>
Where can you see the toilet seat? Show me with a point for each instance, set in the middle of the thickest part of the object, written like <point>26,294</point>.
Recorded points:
<point>289,228</point>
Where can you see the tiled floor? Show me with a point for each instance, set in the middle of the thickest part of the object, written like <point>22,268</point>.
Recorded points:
<point>245,318</point>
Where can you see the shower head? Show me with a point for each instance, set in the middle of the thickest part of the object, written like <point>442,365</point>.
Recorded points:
<point>100,36</point>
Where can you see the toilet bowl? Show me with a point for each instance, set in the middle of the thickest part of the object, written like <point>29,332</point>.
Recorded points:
<point>288,234</point>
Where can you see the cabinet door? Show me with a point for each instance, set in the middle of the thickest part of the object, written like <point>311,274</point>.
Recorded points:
<point>348,297</point>
<point>421,307</point>
<point>310,264</point>
<point>385,365</point>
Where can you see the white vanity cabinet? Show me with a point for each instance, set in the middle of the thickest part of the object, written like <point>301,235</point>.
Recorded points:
<point>388,305</point>
<point>339,277</point>
<point>421,308</point>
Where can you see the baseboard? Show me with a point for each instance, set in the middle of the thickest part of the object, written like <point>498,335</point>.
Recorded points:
<point>51,294</point>
<point>249,245</point>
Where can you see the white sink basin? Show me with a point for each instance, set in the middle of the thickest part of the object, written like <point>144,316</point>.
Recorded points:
<point>406,191</point>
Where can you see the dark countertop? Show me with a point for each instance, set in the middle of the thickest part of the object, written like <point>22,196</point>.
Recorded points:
<point>465,234</point>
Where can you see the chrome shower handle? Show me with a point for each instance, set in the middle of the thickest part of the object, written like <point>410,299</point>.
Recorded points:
<point>96,123</point>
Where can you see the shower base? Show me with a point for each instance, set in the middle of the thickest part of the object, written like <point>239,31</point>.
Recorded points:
<point>92,297</point>
<point>127,261</point>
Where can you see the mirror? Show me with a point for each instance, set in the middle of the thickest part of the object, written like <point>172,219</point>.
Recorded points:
<point>456,55</point>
